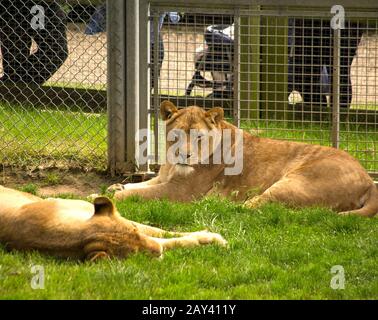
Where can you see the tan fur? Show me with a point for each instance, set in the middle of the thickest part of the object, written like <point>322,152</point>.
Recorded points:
<point>80,230</point>
<point>297,174</point>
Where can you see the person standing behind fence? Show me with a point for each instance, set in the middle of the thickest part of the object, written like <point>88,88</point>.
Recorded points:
<point>21,23</point>
<point>311,59</point>
<point>97,23</point>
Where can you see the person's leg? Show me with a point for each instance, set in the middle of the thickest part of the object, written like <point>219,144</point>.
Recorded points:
<point>15,41</point>
<point>316,56</point>
<point>295,79</point>
<point>52,45</point>
<point>305,61</point>
<point>350,38</point>
<point>325,67</point>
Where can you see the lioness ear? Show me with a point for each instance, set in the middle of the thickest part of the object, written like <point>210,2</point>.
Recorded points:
<point>103,205</point>
<point>167,109</point>
<point>215,115</point>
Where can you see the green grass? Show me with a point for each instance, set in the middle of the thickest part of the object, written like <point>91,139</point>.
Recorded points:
<point>368,106</point>
<point>36,135</point>
<point>273,253</point>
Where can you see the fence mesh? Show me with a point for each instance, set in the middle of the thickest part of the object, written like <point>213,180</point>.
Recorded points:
<point>53,82</point>
<point>275,73</point>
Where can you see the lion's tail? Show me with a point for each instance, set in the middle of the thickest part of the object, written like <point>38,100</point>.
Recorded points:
<point>370,208</point>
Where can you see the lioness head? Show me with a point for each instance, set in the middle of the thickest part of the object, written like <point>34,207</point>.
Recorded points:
<point>122,240</point>
<point>192,134</point>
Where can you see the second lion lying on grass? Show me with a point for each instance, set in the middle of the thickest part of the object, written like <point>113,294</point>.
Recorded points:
<point>81,230</point>
<point>296,174</point>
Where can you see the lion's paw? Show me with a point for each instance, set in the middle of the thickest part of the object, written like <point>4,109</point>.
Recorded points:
<point>92,196</point>
<point>255,202</point>
<point>206,237</point>
<point>116,187</point>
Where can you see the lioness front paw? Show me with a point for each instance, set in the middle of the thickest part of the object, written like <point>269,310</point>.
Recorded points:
<point>116,187</point>
<point>218,239</point>
<point>209,237</point>
<point>92,196</point>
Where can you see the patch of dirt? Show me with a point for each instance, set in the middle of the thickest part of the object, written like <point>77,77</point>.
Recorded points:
<point>51,182</point>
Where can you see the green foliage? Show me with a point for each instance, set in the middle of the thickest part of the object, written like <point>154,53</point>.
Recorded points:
<point>52,179</point>
<point>30,188</point>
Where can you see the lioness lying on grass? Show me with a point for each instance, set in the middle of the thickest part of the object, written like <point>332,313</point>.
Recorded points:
<point>296,174</point>
<point>81,230</point>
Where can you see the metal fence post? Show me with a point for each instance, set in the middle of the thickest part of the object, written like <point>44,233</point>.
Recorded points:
<point>236,69</point>
<point>132,83</point>
<point>156,84</point>
<point>123,84</point>
<point>116,94</point>
<point>144,74</point>
<point>336,90</point>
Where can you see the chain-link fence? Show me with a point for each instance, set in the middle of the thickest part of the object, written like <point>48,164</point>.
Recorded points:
<point>278,72</point>
<point>53,76</point>
<point>283,73</point>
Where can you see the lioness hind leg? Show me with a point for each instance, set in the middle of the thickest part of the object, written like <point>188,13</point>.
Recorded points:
<point>257,201</point>
<point>290,191</point>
